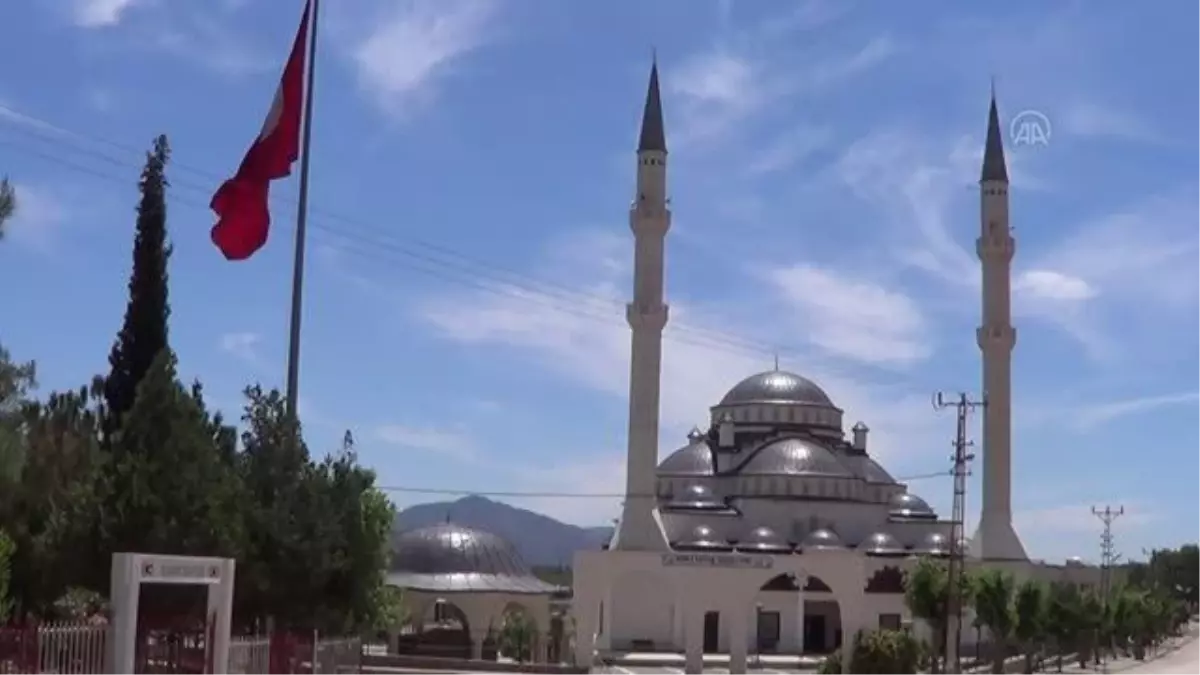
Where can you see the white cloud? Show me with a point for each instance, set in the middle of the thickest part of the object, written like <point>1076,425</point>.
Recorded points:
<point>788,149</point>
<point>242,345</point>
<point>101,13</point>
<point>1094,415</point>
<point>1053,286</point>
<point>1089,120</point>
<point>38,215</point>
<point>415,44</point>
<point>854,318</point>
<point>1061,531</point>
<point>590,347</point>
<point>450,443</point>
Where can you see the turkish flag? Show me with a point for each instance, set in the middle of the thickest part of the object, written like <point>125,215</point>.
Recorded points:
<point>243,215</point>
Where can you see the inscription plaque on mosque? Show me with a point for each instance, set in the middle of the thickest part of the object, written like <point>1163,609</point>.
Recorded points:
<point>722,560</point>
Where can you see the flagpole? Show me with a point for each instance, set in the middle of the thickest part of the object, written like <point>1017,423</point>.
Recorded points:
<point>293,362</point>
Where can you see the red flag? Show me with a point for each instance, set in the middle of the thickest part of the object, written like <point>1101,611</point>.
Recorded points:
<point>243,216</point>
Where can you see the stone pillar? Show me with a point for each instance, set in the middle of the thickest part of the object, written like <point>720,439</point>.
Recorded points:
<point>585,611</point>
<point>853,612</point>
<point>738,637</point>
<point>478,635</point>
<point>693,638</point>
<point>802,581</point>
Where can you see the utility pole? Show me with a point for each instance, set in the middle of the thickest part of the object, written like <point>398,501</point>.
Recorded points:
<point>1108,558</point>
<point>963,406</point>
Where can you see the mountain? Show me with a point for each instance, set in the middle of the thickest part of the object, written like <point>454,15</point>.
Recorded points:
<point>541,540</point>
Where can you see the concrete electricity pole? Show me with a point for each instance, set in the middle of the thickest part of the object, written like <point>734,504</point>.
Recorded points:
<point>954,574</point>
<point>1108,558</point>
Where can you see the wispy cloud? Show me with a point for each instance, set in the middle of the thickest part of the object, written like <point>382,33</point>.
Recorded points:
<point>1092,416</point>
<point>39,214</point>
<point>243,346</point>
<point>854,318</point>
<point>414,44</point>
<point>453,444</point>
<point>1091,120</point>
<point>101,13</point>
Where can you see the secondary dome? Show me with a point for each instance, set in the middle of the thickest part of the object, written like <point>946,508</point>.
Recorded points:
<point>702,537</point>
<point>449,557</point>
<point>777,386</point>
<point>881,543</point>
<point>764,540</point>
<point>908,505</point>
<point>694,459</point>
<point>794,456</point>
<point>821,538</point>
<point>934,543</point>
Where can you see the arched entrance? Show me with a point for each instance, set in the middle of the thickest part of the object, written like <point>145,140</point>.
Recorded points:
<point>796,613</point>
<point>442,629</point>
<point>518,635</point>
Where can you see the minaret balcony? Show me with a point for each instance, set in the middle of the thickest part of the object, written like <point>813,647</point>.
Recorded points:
<point>995,247</point>
<point>1000,335</point>
<point>646,316</point>
<point>649,217</point>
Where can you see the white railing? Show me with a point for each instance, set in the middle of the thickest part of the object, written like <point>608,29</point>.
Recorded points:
<point>249,654</point>
<point>72,648</point>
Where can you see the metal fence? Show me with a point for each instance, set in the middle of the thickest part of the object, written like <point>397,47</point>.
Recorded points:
<point>250,654</point>
<point>83,648</point>
<point>54,648</point>
<point>338,655</point>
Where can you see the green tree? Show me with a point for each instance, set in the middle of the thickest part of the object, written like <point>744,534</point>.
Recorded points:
<point>8,203</point>
<point>165,488</point>
<point>1063,619</point>
<point>993,601</point>
<point>143,334</point>
<point>1030,609</point>
<point>6,551</point>
<point>925,594</point>
<point>17,381</point>
<point>518,635</point>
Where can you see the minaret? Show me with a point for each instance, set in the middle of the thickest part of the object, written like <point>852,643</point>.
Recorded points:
<point>640,528</point>
<point>995,539</point>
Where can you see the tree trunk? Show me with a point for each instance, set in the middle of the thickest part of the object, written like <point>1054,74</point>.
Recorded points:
<point>998,654</point>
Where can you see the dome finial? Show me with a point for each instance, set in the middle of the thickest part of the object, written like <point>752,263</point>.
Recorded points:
<point>777,362</point>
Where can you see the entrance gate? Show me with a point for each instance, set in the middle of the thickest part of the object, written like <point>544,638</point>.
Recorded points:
<point>204,649</point>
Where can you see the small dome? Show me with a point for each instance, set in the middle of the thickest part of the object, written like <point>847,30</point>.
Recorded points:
<point>703,537</point>
<point>696,497</point>
<point>448,548</point>
<point>694,459</point>
<point>908,505</point>
<point>777,386</point>
<point>449,558</point>
<point>934,543</point>
<point>763,539</point>
<point>794,456</point>
<point>881,543</point>
<point>821,538</point>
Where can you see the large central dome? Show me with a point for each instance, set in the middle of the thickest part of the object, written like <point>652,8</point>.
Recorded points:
<point>450,557</point>
<point>777,386</point>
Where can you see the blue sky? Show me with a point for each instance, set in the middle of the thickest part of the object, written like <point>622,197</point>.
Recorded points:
<point>472,168</point>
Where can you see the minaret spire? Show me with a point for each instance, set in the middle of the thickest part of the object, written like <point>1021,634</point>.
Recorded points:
<point>653,136</point>
<point>641,527</point>
<point>994,166</point>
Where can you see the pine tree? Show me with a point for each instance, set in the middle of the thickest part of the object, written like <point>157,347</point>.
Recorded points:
<point>144,333</point>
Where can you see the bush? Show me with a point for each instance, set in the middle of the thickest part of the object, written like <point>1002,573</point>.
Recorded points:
<point>879,652</point>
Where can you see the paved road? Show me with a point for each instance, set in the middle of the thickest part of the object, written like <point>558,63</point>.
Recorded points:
<point>1186,659</point>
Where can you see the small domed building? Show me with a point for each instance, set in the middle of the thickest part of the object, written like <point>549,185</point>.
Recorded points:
<point>459,584</point>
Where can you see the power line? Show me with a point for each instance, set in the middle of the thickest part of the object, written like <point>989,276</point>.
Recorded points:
<point>1108,558</point>
<point>433,261</point>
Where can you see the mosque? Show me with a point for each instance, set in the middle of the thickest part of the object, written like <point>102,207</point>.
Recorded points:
<point>772,531</point>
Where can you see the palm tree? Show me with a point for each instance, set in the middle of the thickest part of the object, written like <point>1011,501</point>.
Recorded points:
<point>1091,611</point>
<point>993,601</point>
<point>8,203</point>
<point>1063,619</point>
<point>1031,609</point>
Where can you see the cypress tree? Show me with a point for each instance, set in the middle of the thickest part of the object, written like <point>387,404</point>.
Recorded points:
<point>144,333</point>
